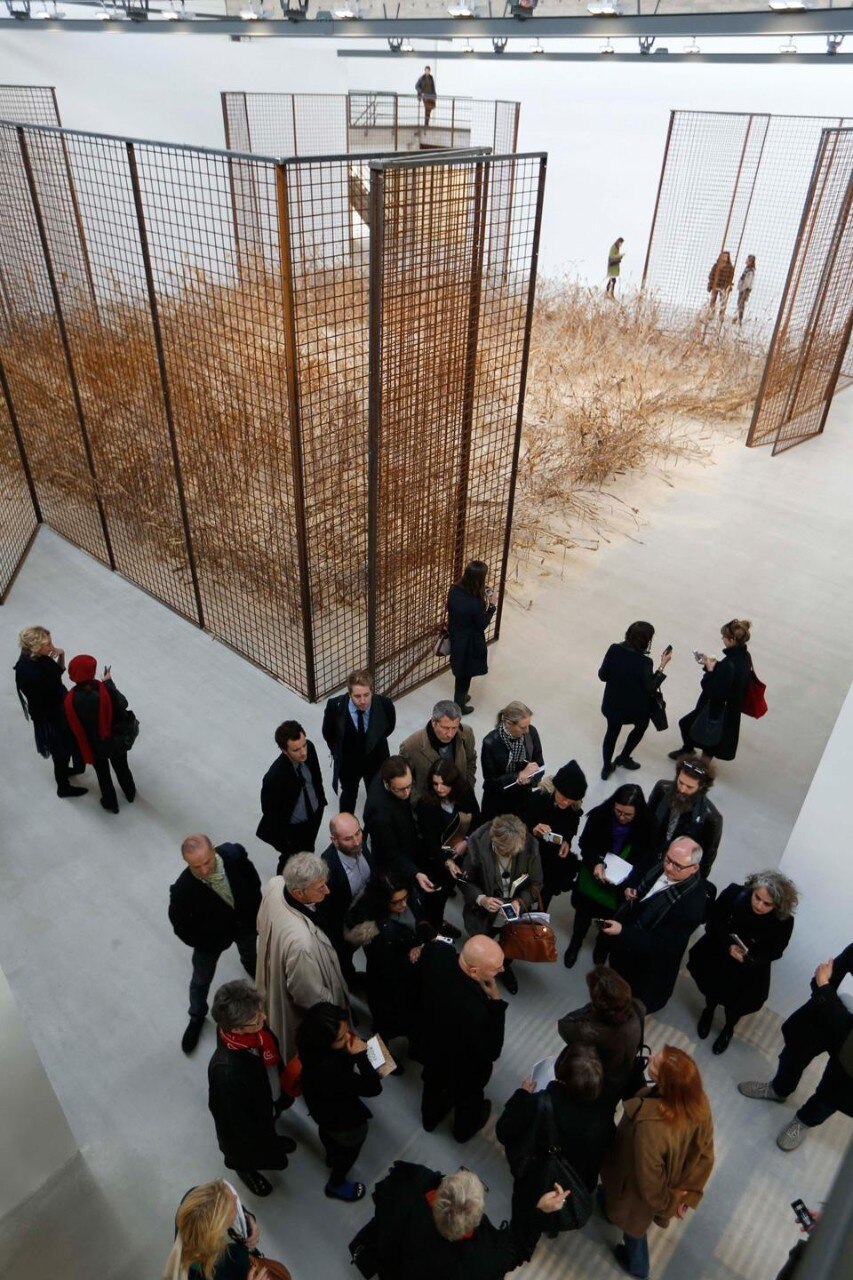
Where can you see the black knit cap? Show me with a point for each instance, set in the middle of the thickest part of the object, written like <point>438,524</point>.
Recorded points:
<point>570,781</point>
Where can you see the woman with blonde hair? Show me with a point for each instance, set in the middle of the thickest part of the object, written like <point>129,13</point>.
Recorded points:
<point>510,755</point>
<point>41,689</point>
<point>662,1157</point>
<point>216,1238</point>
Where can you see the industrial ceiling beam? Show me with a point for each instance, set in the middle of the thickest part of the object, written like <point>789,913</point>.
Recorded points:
<point>664,56</point>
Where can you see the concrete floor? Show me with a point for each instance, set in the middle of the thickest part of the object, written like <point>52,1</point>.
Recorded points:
<point>101,980</point>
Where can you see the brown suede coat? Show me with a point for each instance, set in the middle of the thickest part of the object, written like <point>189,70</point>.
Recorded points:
<point>652,1160</point>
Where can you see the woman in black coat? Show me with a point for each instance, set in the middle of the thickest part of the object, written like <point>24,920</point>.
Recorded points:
<point>469,612</point>
<point>620,825</point>
<point>583,1124</point>
<point>216,1238</point>
<point>336,1075</point>
<point>38,679</point>
<point>240,1096</point>
<point>387,920</point>
<point>611,1023</point>
<point>553,814</point>
<point>510,755</point>
<point>446,812</point>
<point>630,683</point>
<point>760,914</point>
<point>95,710</point>
<point>723,687</point>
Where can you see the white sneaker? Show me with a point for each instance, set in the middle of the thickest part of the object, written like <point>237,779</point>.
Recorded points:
<point>792,1135</point>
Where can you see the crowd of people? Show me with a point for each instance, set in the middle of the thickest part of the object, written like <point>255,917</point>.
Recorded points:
<point>601,1126</point>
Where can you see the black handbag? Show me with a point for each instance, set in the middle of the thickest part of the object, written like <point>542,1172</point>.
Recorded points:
<point>540,1170</point>
<point>657,711</point>
<point>637,1079</point>
<point>126,731</point>
<point>364,1250</point>
<point>706,729</point>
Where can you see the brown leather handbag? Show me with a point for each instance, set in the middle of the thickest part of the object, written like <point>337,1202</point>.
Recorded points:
<point>274,1270</point>
<point>532,940</point>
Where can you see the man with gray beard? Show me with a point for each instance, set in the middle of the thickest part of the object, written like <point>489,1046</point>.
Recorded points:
<point>682,808</point>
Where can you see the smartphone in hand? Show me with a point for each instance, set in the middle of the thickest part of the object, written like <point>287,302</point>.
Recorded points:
<point>803,1215</point>
<point>667,651</point>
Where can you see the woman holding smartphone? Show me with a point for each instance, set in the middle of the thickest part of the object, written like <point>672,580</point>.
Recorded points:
<point>630,683</point>
<point>716,716</point>
<point>470,609</point>
<point>446,812</point>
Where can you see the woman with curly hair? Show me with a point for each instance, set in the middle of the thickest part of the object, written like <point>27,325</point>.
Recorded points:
<point>749,927</point>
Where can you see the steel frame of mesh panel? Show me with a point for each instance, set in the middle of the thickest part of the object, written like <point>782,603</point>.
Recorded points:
<point>29,103</point>
<point>735,182</point>
<point>449,342</point>
<point>300,124</point>
<point>812,335</point>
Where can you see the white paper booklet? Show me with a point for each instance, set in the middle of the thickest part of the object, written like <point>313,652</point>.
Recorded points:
<point>543,1072</point>
<point>616,869</point>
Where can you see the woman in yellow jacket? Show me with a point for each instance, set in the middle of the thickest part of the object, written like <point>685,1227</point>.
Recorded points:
<point>662,1157</point>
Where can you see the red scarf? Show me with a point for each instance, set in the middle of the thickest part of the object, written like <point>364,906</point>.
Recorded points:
<point>430,1199</point>
<point>105,718</point>
<point>263,1040</point>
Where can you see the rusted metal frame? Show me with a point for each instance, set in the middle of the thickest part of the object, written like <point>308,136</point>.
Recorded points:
<point>812,328</point>
<point>780,326</point>
<point>293,123</point>
<point>63,337</point>
<point>452,121</point>
<point>4,595</point>
<point>752,189</point>
<point>19,440</point>
<point>525,358</point>
<point>396,123</point>
<point>475,289</point>
<point>746,138</point>
<point>235,224</point>
<point>78,223</point>
<point>56,105</point>
<point>294,414</point>
<point>374,400</point>
<point>164,379</point>
<point>657,199</point>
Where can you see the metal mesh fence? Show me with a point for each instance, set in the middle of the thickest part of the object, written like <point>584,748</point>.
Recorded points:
<point>30,103</point>
<point>812,337</point>
<point>309,124</point>
<point>18,511</point>
<point>730,183</point>
<point>190,374</point>
<point>449,341</point>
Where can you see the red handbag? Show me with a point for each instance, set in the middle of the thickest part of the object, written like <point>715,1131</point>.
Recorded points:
<point>291,1077</point>
<point>754,702</point>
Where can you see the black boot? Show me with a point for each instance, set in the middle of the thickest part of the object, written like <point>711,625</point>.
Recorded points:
<point>703,1026</point>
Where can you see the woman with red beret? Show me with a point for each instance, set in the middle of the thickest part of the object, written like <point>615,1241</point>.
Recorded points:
<point>95,711</point>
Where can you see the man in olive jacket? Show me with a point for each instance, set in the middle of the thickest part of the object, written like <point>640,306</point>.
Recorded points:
<point>444,737</point>
<point>213,903</point>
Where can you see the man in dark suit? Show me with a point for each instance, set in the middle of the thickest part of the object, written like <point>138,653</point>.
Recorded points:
<point>213,903</point>
<point>665,901</point>
<point>682,808</point>
<point>350,864</point>
<point>356,728</point>
<point>461,1031</point>
<point>390,823</point>
<point>292,795</point>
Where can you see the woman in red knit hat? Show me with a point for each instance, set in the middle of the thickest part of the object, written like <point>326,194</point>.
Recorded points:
<point>96,712</point>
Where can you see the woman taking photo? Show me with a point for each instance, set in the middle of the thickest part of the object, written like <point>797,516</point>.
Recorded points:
<point>469,612</point>
<point>384,920</point>
<point>510,755</point>
<point>619,825</point>
<point>336,1075</point>
<point>41,689</point>
<point>216,1238</point>
<point>94,710</point>
<point>553,814</point>
<point>749,927</point>
<point>662,1157</point>
<point>716,716</point>
<point>612,1024</point>
<point>630,683</point>
<point>446,812</point>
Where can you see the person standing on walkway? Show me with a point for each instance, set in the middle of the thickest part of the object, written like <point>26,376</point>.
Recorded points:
<point>745,284</point>
<point>292,795</point>
<point>212,904</point>
<point>95,710</point>
<point>552,814</point>
<point>443,737</point>
<point>720,281</point>
<point>38,679</point>
<point>356,728</point>
<point>614,265</point>
<point>662,1158</point>
<point>425,89</point>
<point>714,723</point>
<point>469,611</point>
<point>630,683</point>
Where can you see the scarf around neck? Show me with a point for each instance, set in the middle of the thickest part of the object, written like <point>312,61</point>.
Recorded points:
<point>515,746</point>
<point>262,1040</point>
<point>105,717</point>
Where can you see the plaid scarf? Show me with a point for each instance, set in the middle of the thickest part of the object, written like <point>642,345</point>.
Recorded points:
<point>515,747</point>
<point>648,916</point>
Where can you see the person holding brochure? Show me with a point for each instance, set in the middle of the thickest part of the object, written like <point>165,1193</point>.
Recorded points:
<point>512,760</point>
<point>503,873</point>
<point>553,813</point>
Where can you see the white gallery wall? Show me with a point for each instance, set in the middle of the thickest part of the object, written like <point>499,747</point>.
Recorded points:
<point>603,124</point>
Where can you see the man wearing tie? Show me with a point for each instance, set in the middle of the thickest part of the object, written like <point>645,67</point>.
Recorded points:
<point>292,795</point>
<point>356,728</point>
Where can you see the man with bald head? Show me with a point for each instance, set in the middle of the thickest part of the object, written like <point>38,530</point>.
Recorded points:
<point>213,903</point>
<point>350,864</point>
<point>462,1031</point>
<point>665,901</point>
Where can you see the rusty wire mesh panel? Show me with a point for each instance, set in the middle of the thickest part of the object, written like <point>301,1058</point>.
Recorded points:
<point>733,182</point>
<point>18,513</point>
<point>449,342</point>
<point>35,346</point>
<point>29,103</point>
<point>813,332</point>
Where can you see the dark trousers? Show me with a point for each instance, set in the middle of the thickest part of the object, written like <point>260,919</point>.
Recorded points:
<point>204,967</point>
<point>118,760</point>
<point>460,691</point>
<point>445,1093</point>
<point>342,1147</point>
<point>685,724</point>
<point>63,747</point>
<point>580,928</point>
<point>350,781</point>
<point>827,1098</point>
<point>614,728</point>
<point>299,837</point>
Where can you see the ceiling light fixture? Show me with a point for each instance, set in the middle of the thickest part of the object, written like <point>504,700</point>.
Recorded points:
<point>692,47</point>
<point>537,48</point>
<point>790,47</point>
<point>460,11</point>
<point>603,8</point>
<point>607,47</point>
